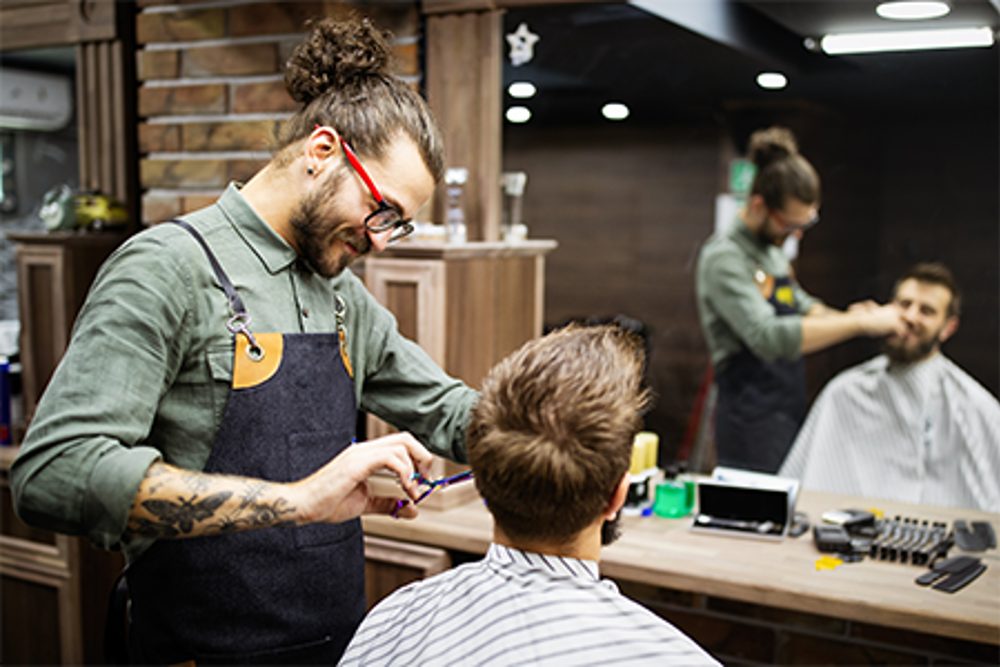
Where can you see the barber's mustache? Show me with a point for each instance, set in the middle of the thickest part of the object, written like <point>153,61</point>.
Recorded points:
<point>360,242</point>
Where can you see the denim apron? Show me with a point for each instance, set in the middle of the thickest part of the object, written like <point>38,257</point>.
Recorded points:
<point>291,595</point>
<point>761,404</point>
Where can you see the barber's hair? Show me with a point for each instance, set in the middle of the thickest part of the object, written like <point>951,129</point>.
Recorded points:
<point>935,273</point>
<point>553,430</point>
<point>341,74</point>
<point>781,171</point>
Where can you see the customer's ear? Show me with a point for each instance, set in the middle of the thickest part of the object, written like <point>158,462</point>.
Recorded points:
<point>618,497</point>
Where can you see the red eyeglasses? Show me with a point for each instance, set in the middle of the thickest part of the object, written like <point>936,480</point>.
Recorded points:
<point>386,217</point>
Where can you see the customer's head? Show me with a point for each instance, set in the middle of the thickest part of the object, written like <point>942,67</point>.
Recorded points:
<point>342,75</point>
<point>551,437</point>
<point>930,301</point>
<point>786,188</point>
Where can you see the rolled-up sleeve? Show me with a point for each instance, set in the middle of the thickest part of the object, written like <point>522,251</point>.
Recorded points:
<point>85,453</point>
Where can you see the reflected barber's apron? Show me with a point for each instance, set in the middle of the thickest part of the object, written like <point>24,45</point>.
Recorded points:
<point>272,595</point>
<point>761,404</point>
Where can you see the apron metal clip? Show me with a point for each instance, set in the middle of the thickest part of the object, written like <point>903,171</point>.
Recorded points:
<point>237,324</point>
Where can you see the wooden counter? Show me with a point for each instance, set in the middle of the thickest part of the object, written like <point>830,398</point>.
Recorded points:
<point>663,552</point>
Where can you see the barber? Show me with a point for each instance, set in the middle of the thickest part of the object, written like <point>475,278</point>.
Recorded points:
<point>758,321</point>
<point>203,417</point>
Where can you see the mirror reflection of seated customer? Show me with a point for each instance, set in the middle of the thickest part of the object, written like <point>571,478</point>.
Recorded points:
<point>908,425</point>
<point>550,444</point>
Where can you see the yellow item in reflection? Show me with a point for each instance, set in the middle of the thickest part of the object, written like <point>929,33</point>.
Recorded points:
<point>828,563</point>
<point>251,369</point>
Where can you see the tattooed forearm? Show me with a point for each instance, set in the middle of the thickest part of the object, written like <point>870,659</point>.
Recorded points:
<point>181,503</point>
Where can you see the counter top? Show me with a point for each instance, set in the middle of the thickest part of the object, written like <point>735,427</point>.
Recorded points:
<point>437,250</point>
<point>663,552</point>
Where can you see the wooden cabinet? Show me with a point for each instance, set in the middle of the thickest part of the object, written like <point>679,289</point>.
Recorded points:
<point>467,305</point>
<point>55,587</point>
<point>54,272</point>
<point>55,590</point>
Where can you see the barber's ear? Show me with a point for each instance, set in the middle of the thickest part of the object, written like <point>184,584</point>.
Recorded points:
<point>320,146</point>
<point>619,497</point>
<point>949,329</point>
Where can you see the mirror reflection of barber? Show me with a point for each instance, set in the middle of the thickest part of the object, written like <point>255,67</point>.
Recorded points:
<point>757,319</point>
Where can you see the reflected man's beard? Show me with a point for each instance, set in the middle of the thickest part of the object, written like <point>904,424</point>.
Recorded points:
<point>611,530</point>
<point>315,229</point>
<point>899,353</point>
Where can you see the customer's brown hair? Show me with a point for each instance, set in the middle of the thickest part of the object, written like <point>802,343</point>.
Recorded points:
<point>552,433</point>
<point>934,273</point>
<point>342,75</point>
<point>781,171</point>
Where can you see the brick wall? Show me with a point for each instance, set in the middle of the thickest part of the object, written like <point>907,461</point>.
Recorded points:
<point>211,94</point>
<point>738,633</point>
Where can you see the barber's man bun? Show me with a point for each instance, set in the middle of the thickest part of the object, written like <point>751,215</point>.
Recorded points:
<point>770,145</point>
<point>341,55</point>
<point>781,171</point>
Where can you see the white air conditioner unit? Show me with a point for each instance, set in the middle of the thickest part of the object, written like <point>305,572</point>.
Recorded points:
<point>34,100</point>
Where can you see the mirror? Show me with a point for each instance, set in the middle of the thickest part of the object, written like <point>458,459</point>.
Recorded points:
<point>906,145</point>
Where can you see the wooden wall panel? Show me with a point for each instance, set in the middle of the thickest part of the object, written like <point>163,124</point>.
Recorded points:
<point>107,132</point>
<point>464,89</point>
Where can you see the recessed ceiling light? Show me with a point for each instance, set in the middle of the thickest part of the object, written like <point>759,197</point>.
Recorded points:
<point>906,40</point>
<point>518,114</point>
<point>913,10</point>
<point>522,90</point>
<point>772,80</point>
<point>615,111</point>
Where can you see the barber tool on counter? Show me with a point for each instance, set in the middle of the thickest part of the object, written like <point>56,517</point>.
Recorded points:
<point>853,534</point>
<point>745,503</point>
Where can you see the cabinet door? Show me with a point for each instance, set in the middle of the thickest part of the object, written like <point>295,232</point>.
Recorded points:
<point>413,291</point>
<point>42,301</point>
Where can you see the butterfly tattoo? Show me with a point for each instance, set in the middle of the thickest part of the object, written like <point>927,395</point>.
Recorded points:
<point>186,512</point>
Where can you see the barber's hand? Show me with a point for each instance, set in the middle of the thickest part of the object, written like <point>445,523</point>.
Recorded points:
<point>882,321</point>
<point>339,490</point>
<point>862,306</point>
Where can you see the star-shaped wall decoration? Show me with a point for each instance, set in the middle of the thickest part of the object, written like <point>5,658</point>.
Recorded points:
<point>522,45</point>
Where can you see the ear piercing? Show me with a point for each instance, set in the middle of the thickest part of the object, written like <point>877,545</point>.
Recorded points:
<point>309,171</point>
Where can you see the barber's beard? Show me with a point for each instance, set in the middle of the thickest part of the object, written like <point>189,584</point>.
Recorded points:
<point>899,352</point>
<point>611,530</point>
<point>767,237</point>
<point>318,223</point>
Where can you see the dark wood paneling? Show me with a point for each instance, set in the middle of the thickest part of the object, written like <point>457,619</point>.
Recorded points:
<point>630,208</point>
<point>30,605</point>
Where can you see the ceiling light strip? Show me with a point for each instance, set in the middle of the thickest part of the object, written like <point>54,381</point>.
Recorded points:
<point>906,40</point>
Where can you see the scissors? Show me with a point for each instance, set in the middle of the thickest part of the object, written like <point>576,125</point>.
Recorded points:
<point>433,485</point>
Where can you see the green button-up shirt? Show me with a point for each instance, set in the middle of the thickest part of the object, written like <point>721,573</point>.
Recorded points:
<point>147,373</point>
<point>732,309</point>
